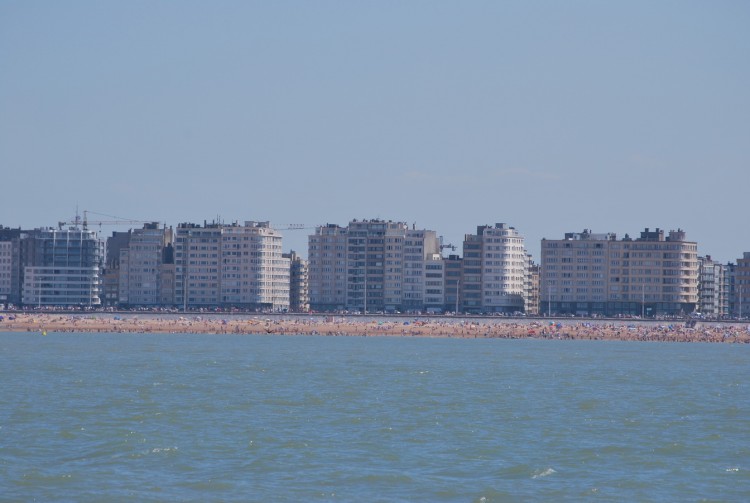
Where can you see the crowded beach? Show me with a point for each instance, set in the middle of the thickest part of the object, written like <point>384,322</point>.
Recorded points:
<point>574,329</point>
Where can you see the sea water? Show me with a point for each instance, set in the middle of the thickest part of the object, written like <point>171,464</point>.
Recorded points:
<point>148,417</point>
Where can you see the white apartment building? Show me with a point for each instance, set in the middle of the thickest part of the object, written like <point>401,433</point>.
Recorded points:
<point>504,269</point>
<point>495,270</point>
<point>230,266</point>
<point>254,271</point>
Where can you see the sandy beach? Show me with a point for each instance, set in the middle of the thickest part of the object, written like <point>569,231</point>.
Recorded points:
<point>677,331</point>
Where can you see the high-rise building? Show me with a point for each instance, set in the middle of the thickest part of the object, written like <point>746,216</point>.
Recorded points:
<point>453,272</point>
<point>230,266</point>
<point>422,263</point>
<point>741,297</point>
<point>140,267</point>
<point>299,298</point>
<point>111,272</point>
<point>587,273</point>
<point>495,270</point>
<point>471,286</point>
<point>434,283</point>
<point>531,297</point>
<point>197,263</point>
<point>327,268</point>
<point>62,268</point>
<point>373,266</point>
<point>10,266</point>
<point>712,280</point>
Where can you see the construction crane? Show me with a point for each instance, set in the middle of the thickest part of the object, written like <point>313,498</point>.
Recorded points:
<point>296,227</point>
<point>449,245</point>
<point>84,222</point>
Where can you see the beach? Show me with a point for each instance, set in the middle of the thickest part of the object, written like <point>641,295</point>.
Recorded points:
<point>468,328</point>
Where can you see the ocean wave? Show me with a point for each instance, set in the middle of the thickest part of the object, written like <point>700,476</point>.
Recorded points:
<point>543,473</point>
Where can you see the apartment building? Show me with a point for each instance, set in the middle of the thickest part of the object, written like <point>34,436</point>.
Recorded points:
<point>197,259</point>
<point>452,281</point>
<point>10,266</point>
<point>373,266</point>
<point>299,298</point>
<point>141,267</point>
<point>61,267</point>
<point>111,272</point>
<point>471,286</point>
<point>230,266</point>
<point>712,278</point>
<point>495,269</point>
<point>422,271</point>
<point>741,291</point>
<point>434,283</point>
<point>531,296</point>
<point>587,273</point>
<point>327,268</point>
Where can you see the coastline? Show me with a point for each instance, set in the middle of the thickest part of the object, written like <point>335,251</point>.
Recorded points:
<point>574,329</point>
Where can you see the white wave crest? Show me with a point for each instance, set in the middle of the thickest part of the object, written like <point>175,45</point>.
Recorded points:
<point>539,474</point>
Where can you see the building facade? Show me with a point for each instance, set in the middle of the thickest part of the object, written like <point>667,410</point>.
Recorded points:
<point>10,266</point>
<point>741,291</point>
<point>597,274</point>
<point>62,268</point>
<point>373,266</point>
<point>452,281</point>
<point>532,289</point>
<point>495,270</point>
<point>422,287</point>
<point>327,267</point>
<point>141,267</point>
<point>712,288</point>
<point>299,297</point>
<point>232,266</point>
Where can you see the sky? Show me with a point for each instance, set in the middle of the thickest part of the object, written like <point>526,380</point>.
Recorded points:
<point>550,116</point>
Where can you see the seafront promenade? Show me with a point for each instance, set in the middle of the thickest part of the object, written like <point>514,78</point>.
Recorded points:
<point>469,328</point>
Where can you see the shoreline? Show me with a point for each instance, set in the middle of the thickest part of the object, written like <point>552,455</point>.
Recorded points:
<point>632,330</point>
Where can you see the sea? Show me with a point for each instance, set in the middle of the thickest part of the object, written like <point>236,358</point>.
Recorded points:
<point>198,417</point>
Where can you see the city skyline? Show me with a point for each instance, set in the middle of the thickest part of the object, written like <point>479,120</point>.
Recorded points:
<point>298,236</point>
<point>551,117</point>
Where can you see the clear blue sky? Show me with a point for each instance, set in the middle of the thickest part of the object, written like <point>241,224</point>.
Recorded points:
<point>551,116</point>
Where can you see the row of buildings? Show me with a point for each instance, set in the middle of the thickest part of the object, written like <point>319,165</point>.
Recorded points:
<point>368,266</point>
